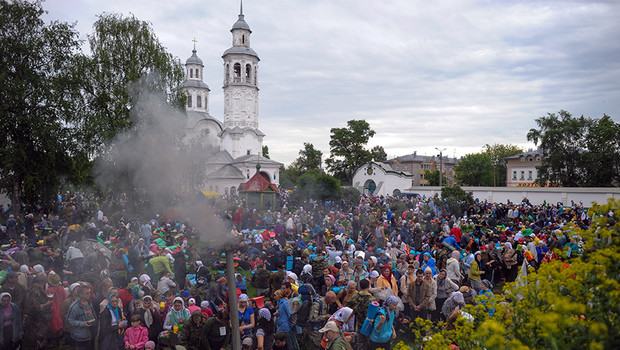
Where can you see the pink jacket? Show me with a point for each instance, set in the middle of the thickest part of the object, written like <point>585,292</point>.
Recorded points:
<point>137,337</point>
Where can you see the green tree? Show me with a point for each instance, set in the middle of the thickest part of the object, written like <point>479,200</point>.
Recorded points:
<point>562,139</point>
<point>317,185</point>
<point>265,152</point>
<point>475,169</point>
<point>603,157</point>
<point>433,177</point>
<point>289,176</point>
<point>456,200</point>
<point>309,158</point>
<point>498,154</point>
<point>41,101</point>
<point>378,154</point>
<point>347,149</point>
<point>125,51</point>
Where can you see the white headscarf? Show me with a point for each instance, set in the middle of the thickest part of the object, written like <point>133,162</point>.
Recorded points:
<point>307,268</point>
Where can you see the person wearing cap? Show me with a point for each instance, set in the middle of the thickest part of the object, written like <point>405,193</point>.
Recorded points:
<point>383,331</point>
<point>12,286</point>
<point>59,295</point>
<point>191,331</point>
<point>37,307</point>
<point>73,296</point>
<point>334,339</point>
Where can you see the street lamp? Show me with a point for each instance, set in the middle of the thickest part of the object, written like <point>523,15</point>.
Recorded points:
<point>440,166</point>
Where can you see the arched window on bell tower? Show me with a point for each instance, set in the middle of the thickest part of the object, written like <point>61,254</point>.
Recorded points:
<point>248,73</point>
<point>191,72</point>
<point>199,101</point>
<point>237,72</point>
<point>189,101</point>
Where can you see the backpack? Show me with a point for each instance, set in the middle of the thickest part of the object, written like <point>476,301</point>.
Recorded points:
<point>318,263</point>
<point>301,319</point>
<point>313,325</point>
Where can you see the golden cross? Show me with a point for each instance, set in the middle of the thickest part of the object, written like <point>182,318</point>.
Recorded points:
<point>194,43</point>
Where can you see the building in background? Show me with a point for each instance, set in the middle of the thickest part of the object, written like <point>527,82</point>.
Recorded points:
<point>521,169</point>
<point>235,145</point>
<point>417,165</point>
<point>379,179</point>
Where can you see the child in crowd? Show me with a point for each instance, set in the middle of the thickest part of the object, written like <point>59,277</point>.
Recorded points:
<point>137,335</point>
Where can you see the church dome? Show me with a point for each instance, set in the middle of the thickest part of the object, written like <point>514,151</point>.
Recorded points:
<point>194,59</point>
<point>241,24</point>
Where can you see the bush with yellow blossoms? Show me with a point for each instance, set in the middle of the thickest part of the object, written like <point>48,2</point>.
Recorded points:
<point>571,303</point>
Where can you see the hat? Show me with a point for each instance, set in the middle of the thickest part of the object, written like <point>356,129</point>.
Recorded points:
<point>53,279</point>
<point>73,286</point>
<point>247,341</point>
<point>38,268</point>
<point>374,274</point>
<point>330,326</point>
<point>243,297</point>
<point>204,304</point>
<point>196,313</point>
<point>185,293</point>
<point>487,283</point>
<point>458,297</point>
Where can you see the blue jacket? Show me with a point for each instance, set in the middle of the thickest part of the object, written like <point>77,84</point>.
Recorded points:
<point>76,316</point>
<point>384,334</point>
<point>284,325</point>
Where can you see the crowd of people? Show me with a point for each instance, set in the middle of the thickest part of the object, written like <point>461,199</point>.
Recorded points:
<point>88,271</point>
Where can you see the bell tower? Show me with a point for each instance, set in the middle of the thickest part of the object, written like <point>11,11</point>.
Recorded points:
<point>240,78</point>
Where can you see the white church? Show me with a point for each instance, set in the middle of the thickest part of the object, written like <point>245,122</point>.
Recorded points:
<point>238,138</point>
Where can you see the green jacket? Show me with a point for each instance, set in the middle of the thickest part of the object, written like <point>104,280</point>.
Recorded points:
<point>359,303</point>
<point>190,333</point>
<point>474,271</point>
<point>337,344</point>
<point>211,337</point>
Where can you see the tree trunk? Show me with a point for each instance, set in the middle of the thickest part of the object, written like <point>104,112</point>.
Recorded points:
<point>16,195</point>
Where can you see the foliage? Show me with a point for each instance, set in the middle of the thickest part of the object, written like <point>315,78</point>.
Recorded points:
<point>486,168</point>
<point>378,154</point>
<point>433,177</point>
<point>351,195</point>
<point>455,200</point>
<point>288,177</point>
<point>498,154</point>
<point>475,169</point>
<point>318,186</point>
<point>265,152</point>
<point>124,50</point>
<point>602,160</point>
<point>577,151</point>
<point>566,304</point>
<point>41,100</point>
<point>309,158</point>
<point>347,149</point>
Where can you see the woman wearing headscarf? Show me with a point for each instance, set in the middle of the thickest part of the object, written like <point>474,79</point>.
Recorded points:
<point>453,268</point>
<point>445,288</point>
<point>387,280</point>
<point>111,325</point>
<point>383,331</point>
<point>177,315</point>
<point>429,262</point>
<point>475,272</point>
<point>510,260</point>
<point>345,319</point>
<point>59,295</point>
<point>345,294</point>
<point>330,280</point>
<point>432,283</point>
<point>306,275</point>
<point>265,329</point>
<point>246,316</point>
<point>150,317</point>
<point>11,321</point>
<point>455,301</point>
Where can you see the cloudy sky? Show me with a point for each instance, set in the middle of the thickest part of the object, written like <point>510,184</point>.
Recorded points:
<point>454,74</point>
